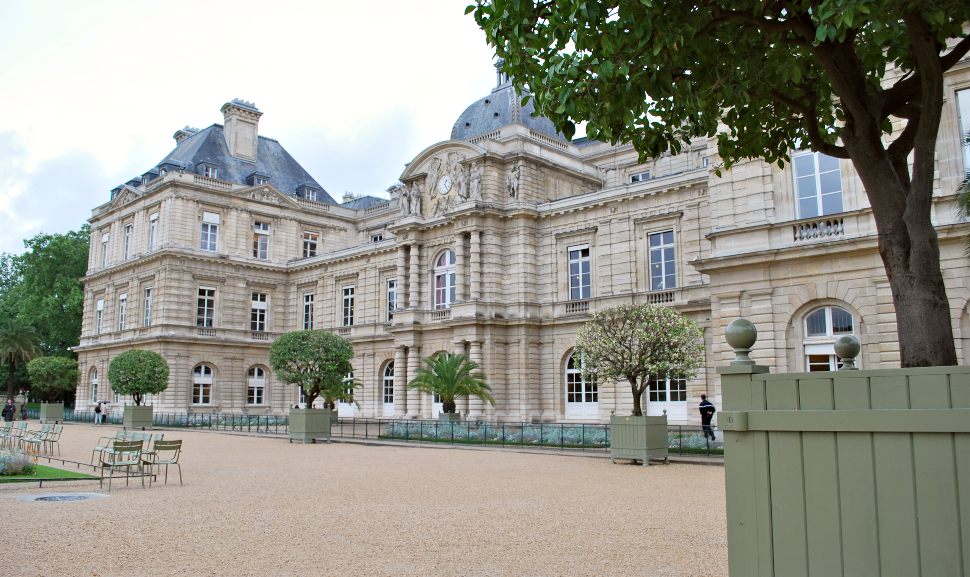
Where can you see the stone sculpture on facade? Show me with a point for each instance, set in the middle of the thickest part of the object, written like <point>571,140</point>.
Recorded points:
<point>512,182</point>
<point>404,201</point>
<point>475,187</point>
<point>415,193</point>
<point>461,182</point>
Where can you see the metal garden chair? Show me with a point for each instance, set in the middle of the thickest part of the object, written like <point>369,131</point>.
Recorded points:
<point>122,454</point>
<point>163,453</point>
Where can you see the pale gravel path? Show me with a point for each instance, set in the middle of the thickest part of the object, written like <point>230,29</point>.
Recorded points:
<point>263,507</point>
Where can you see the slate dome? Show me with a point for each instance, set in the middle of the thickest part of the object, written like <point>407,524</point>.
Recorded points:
<point>500,108</point>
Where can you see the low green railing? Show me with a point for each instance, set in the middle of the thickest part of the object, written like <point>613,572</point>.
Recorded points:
<point>682,439</point>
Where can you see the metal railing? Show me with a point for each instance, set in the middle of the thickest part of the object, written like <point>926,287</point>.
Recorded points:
<point>681,439</point>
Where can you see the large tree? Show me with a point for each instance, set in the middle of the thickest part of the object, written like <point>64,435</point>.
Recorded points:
<point>18,344</point>
<point>639,342</point>
<point>854,79</point>
<point>53,377</point>
<point>48,291</point>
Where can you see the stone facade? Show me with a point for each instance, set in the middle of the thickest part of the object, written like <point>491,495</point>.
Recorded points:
<point>478,242</point>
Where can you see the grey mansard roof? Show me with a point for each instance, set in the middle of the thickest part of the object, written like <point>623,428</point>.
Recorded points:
<point>208,146</point>
<point>363,202</point>
<point>500,108</point>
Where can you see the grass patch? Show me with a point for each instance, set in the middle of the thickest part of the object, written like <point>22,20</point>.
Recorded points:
<point>44,473</point>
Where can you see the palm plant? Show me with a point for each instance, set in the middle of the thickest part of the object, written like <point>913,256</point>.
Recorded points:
<point>451,377</point>
<point>19,343</point>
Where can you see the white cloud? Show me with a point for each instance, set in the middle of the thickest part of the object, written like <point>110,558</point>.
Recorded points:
<point>352,90</point>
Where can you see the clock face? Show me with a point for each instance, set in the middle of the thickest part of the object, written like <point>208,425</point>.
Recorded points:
<point>444,184</point>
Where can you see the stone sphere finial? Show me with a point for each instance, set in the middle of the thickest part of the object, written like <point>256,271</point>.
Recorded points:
<point>741,334</point>
<point>847,348</point>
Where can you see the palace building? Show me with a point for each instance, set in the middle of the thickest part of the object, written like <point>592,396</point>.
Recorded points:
<point>498,243</point>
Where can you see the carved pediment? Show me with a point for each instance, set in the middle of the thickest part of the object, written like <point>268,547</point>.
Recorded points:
<point>443,176</point>
<point>267,194</point>
<point>125,196</point>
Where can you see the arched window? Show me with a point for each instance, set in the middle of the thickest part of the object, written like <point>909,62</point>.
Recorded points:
<point>582,395</point>
<point>94,384</point>
<point>256,391</point>
<point>822,326</point>
<point>444,280</point>
<point>387,389</point>
<point>202,385</point>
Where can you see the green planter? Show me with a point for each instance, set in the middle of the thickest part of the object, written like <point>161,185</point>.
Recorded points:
<point>449,417</point>
<point>51,413</point>
<point>137,418</point>
<point>639,438</point>
<point>309,425</point>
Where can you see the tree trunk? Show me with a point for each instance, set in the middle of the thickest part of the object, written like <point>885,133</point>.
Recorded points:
<point>911,256</point>
<point>10,371</point>
<point>637,393</point>
<point>448,406</point>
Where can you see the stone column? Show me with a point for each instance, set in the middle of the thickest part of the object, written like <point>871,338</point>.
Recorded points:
<point>413,397</point>
<point>400,382</point>
<point>462,403</point>
<point>402,281</point>
<point>476,264</point>
<point>460,267</point>
<point>415,280</point>
<point>474,403</point>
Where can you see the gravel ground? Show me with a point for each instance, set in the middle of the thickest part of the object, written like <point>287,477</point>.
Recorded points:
<point>264,507</point>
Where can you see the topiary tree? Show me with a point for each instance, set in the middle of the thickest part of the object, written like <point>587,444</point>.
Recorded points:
<point>640,341</point>
<point>52,377</point>
<point>451,377</point>
<point>316,361</point>
<point>138,373</point>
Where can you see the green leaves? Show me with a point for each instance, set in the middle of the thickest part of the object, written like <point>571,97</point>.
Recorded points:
<point>138,372</point>
<point>636,342</point>
<point>53,376</point>
<point>451,377</point>
<point>317,361</point>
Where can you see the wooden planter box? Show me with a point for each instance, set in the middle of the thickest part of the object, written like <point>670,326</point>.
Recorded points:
<point>309,425</point>
<point>137,418</point>
<point>51,413</point>
<point>639,438</point>
<point>449,417</point>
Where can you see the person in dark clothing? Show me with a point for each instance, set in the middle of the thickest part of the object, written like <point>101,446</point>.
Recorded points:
<point>8,410</point>
<point>707,413</point>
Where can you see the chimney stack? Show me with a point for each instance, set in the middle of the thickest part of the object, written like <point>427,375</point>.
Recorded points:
<point>240,126</point>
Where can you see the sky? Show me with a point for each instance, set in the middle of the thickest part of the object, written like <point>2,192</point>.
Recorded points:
<point>92,92</point>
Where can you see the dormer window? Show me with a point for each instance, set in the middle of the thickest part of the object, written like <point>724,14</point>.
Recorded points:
<point>209,171</point>
<point>257,179</point>
<point>640,176</point>
<point>307,192</point>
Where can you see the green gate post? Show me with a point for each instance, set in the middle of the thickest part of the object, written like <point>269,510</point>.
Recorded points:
<point>746,475</point>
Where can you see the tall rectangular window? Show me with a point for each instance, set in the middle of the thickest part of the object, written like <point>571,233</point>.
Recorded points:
<point>391,298</point>
<point>663,269</point>
<point>104,249</point>
<point>127,244</point>
<point>579,272</point>
<point>148,306</point>
<point>347,307</point>
<point>122,310</point>
<point>99,318</point>
<point>206,309</point>
<point>963,111</point>
<point>308,311</point>
<point>257,314</point>
<point>818,185</point>
<point>261,240</point>
<point>210,232</point>
<point>310,243</point>
<point>152,231</point>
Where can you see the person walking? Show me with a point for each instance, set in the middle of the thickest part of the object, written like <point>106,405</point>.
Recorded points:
<point>8,410</point>
<point>98,415</point>
<point>707,413</point>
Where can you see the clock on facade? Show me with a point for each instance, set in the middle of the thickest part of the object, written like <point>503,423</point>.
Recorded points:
<point>444,184</point>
